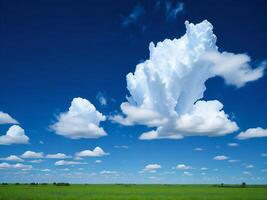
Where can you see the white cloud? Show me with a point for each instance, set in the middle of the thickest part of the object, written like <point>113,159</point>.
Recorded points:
<point>15,166</point>
<point>188,174</point>
<point>234,68</point>
<point>176,73</point>
<point>107,172</point>
<point>45,170</point>
<point>80,121</point>
<point>246,173</point>
<point>14,135</point>
<point>204,168</point>
<point>233,144</point>
<point>36,161</point>
<point>102,99</point>
<point>198,149</point>
<point>183,167</point>
<point>151,168</point>
<point>121,146</point>
<point>12,158</point>
<point>264,154</point>
<point>7,119</point>
<point>57,156</point>
<point>32,154</point>
<point>64,162</point>
<point>249,166</point>
<point>97,152</point>
<point>252,133</point>
<point>233,161</point>
<point>221,157</point>
<point>98,161</point>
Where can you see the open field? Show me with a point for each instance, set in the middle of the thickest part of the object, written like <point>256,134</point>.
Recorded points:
<point>131,192</point>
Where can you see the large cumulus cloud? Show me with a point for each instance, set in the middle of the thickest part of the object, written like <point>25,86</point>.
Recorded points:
<point>167,90</point>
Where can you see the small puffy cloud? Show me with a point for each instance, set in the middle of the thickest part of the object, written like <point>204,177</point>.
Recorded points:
<point>172,11</point>
<point>36,161</point>
<point>264,154</point>
<point>97,152</point>
<point>221,157</point>
<point>98,161</point>
<point>45,170</point>
<point>12,158</point>
<point>252,133</point>
<point>233,144</point>
<point>176,73</point>
<point>183,167</point>
<point>249,166</point>
<point>57,156</point>
<point>107,172</point>
<point>121,146</point>
<point>82,120</point>
<point>64,162</point>
<point>151,168</point>
<point>135,15</point>
<point>14,135</point>
<point>198,149</point>
<point>15,166</point>
<point>187,174</point>
<point>203,168</point>
<point>102,99</point>
<point>246,173</point>
<point>233,161</point>
<point>7,119</point>
<point>32,154</point>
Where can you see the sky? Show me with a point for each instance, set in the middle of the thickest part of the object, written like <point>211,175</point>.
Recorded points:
<point>133,91</point>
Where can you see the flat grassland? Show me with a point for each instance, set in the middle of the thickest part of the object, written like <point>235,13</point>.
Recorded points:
<point>131,192</point>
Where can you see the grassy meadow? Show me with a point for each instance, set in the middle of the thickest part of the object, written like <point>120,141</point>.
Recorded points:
<point>131,192</point>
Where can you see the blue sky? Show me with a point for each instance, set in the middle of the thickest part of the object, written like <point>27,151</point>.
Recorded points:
<point>55,54</point>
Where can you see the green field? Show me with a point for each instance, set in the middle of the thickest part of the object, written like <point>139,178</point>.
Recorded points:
<point>125,192</point>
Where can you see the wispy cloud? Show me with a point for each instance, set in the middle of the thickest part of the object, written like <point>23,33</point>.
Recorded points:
<point>172,10</point>
<point>134,16</point>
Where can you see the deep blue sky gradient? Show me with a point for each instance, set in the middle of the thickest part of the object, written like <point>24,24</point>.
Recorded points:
<point>53,51</point>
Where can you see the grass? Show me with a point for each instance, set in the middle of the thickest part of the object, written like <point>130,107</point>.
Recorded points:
<point>131,192</point>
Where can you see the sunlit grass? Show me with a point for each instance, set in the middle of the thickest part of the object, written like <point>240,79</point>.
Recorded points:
<point>131,192</point>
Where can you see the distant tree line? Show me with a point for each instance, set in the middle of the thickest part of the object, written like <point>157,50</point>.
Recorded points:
<point>243,185</point>
<point>34,184</point>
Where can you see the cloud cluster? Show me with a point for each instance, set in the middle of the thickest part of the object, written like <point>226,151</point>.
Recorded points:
<point>15,166</point>
<point>167,90</point>
<point>80,121</point>
<point>252,133</point>
<point>13,158</point>
<point>97,152</point>
<point>14,135</point>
